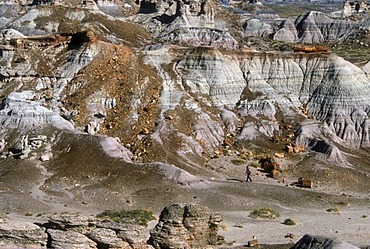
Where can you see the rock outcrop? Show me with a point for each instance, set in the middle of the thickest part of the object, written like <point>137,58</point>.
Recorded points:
<point>186,23</point>
<point>71,231</point>
<point>320,242</point>
<point>257,83</point>
<point>22,234</point>
<point>316,27</point>
<point>179,226</point>
<point>69,239</point>
<point>22,111</point>
<point>310,28</point>
<point>185,226</point>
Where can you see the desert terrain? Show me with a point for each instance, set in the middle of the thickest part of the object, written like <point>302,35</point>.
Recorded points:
<point>156,107</point>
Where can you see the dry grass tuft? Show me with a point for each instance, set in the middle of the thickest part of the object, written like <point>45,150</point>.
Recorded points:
<point>137,216</point>
<point>264,213</point>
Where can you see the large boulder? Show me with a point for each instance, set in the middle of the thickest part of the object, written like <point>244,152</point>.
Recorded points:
<point>185,226</point>
<point>107,238</point>
<point>320,242</point>
<point>69,239</point>
<point>22,234</point>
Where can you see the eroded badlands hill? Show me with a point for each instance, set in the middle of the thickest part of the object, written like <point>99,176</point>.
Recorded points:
<point>108,105</point>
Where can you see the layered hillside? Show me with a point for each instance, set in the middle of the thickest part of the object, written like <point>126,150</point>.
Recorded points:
<point>121,104</point>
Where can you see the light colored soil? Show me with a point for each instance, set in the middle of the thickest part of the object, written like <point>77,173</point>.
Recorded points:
<point>350,225</point>
<point>308,207</point>
<point>86,180</point>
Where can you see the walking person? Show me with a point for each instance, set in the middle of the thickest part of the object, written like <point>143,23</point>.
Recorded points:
<point>248,174</point>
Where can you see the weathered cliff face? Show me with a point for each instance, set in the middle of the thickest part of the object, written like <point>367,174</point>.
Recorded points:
<point>312,28</point>
<point>265,84</point>
<point>187,23</point>
<point>315,27</point>
<point>262,86</point>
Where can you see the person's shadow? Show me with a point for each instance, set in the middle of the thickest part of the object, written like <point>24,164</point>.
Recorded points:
<point>235,180</point>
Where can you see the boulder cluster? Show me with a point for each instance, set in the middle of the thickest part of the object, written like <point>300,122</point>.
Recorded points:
<point>179,226</point>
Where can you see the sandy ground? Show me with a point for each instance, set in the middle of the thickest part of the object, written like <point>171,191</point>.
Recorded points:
<point>62,187</point>
<point>308,207</point>
<point>350,226</point>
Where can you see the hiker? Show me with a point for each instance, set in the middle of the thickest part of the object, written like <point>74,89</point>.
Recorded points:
<point>248,174</point>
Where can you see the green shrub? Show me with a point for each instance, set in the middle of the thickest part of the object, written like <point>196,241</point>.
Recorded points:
<point>136,216</point>
<point>289,222</point>
<point>264,213</point>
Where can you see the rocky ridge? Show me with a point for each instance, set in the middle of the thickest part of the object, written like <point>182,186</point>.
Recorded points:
<point>76,230</point>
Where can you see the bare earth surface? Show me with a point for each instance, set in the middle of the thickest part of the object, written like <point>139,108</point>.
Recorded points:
<point>222,188</point>
<point>308,207</point>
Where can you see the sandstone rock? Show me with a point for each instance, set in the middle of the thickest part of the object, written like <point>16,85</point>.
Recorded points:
<point>252,243</point>
<point>305,183</point>
<point>107,238</point>
<point>69,239</point>
<point>183,226</point>
<point>22,234</point>
<point>132,234</point>
<point>279,155</point>
<point>269,167</point>
<point>320,242</point>
<point>72,222</point>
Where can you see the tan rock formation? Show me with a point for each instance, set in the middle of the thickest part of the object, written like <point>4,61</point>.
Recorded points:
<point>185,226</point>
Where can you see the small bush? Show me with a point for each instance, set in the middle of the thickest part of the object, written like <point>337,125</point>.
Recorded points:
<point>289,222</point>
<point>137,216</point>
<point>29,214</point>
<point>264,213</point>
